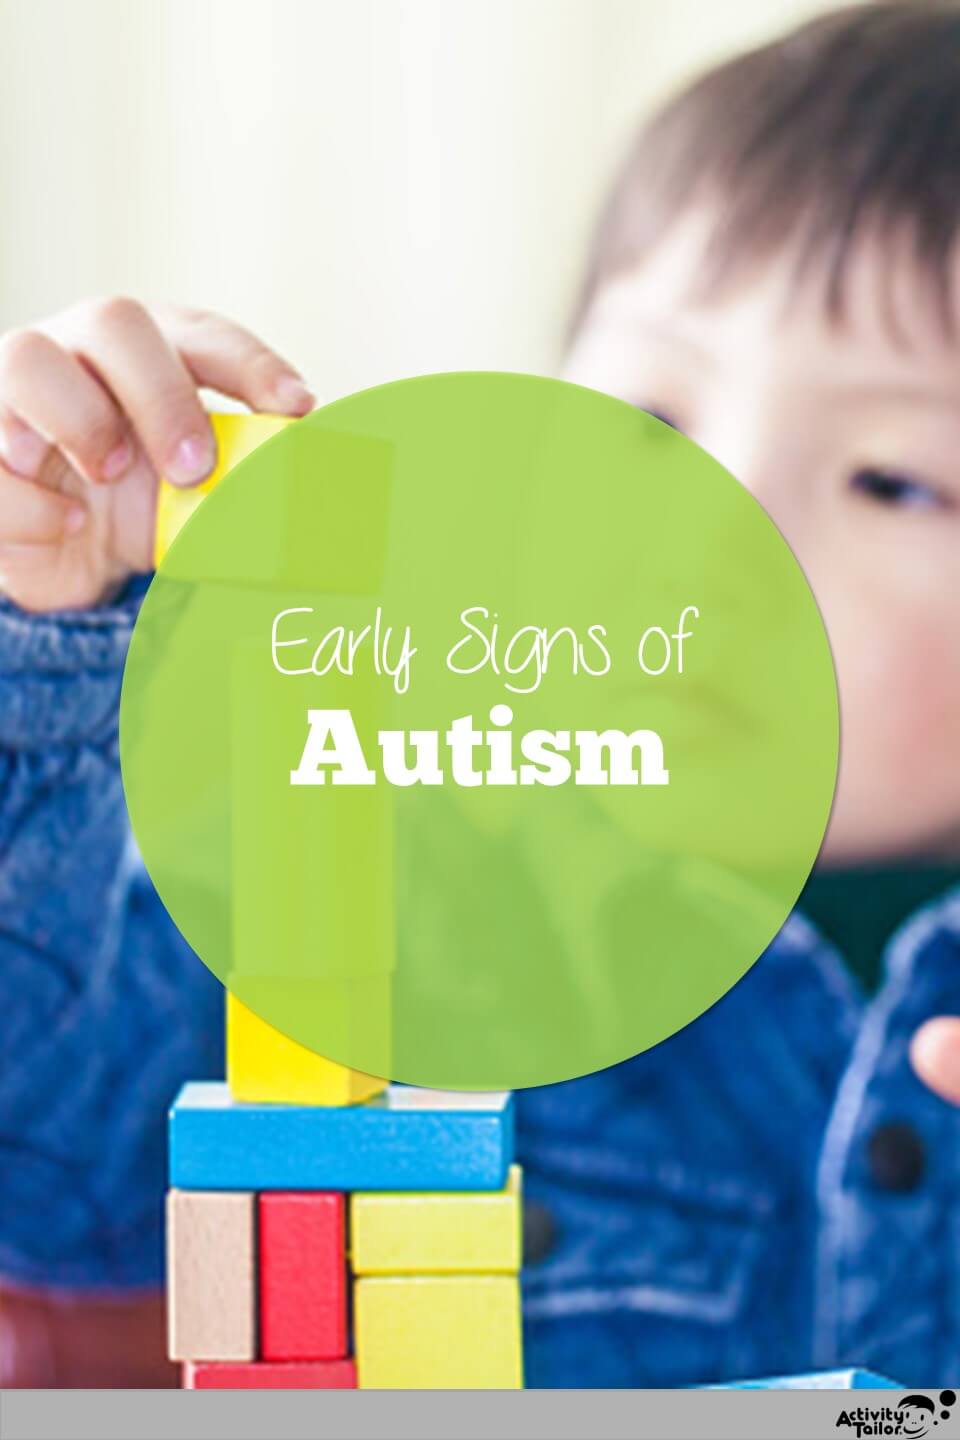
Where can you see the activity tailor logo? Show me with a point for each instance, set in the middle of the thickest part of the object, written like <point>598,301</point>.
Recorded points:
<point>914,1415</point>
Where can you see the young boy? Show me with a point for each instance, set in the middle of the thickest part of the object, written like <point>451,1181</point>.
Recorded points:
<point>775,1188</point>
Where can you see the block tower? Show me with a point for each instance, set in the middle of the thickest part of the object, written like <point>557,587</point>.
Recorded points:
<point>326,1230</point>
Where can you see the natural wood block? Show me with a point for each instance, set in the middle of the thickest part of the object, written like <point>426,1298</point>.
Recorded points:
<point>265,1066</point>
<point>211,1275</point>
<point>303,1276</point>
<point>437,1232</point>
<point>438,1332</point>
<point>270,1375</point>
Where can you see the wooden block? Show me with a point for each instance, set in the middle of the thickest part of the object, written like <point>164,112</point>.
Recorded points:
<point>302,1375</point>
<point>325,530</point>
<point>438,1332</point>
<point>237,436</point>
<point>211,1276</point>
<point>265,1066</point>
<point>413,1233</point>
<point>303,1276</point>
<point>331,908</point>
<point>406,1139</point>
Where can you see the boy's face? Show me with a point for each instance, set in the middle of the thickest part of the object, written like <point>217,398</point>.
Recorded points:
<point>848,433</point>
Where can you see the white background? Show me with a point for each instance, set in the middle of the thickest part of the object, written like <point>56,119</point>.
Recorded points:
<point>382,187</point>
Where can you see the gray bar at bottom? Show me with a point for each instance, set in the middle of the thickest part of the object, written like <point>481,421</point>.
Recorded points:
<point>444,1414</point>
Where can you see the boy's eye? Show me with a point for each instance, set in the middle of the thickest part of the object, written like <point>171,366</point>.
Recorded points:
<point>888,487</point>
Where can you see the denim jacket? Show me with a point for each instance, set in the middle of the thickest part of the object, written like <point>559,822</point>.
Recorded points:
<point>771,1190</point>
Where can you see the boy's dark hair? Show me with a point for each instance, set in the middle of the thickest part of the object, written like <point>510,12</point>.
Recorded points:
<point>846,128</point>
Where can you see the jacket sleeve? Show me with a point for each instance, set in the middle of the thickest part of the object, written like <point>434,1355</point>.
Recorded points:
<point>104,1009</point>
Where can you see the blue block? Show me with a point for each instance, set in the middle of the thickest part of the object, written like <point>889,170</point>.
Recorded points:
<point>822,1380</point>
<point>407,1139</point>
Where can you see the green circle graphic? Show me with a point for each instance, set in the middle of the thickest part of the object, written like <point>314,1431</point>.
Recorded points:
<point>479,731</point>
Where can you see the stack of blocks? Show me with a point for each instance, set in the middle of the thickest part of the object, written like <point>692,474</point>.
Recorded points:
<point>326,1230</point>
<point>406,1203</point>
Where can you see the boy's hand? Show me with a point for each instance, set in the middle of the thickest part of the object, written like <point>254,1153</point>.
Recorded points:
<point>95,404</point>
<point>82,1342</point>
<point>935,1052</point>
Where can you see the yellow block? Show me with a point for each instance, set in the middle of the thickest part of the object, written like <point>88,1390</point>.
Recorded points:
<point>267,1067</point>
<point>236,436</point>
<point>331,909</point>
<point>437,1233</point>
<point>438,1332</point>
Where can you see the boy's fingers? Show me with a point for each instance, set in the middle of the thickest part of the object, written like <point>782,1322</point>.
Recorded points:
<point>125,346</point>
<point>935,1053</point>
<point>53,394</point>
<point>70,1341</point>
<point>228,358</point>
<point>32,514</point>
<point>22,449</point>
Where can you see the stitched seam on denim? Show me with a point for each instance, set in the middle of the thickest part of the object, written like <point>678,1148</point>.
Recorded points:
<point>654,1299</point>
<point>721,1198</point>
<point>803,937</point>
<point>942,913</point>
<point>903,952</point>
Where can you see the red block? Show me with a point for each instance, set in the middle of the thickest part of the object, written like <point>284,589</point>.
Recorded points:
<point>303,1276</point>
<point>305,1375</point>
